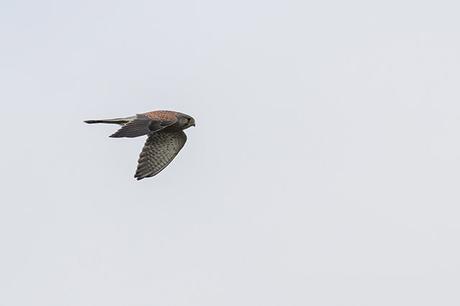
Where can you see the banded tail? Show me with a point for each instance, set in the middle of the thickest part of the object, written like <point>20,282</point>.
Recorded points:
<point>121,121</point>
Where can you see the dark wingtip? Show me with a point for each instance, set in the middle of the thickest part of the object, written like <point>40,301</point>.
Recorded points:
<point>117,134</point>
<point>90,121</point>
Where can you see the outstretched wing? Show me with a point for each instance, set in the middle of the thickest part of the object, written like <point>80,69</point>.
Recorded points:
<point>159,150</point>
<point>141,125</point>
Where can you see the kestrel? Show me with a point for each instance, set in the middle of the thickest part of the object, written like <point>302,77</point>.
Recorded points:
<point>166,137</point>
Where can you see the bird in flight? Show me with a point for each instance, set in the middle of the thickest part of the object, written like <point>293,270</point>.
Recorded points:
<point>166,137</point>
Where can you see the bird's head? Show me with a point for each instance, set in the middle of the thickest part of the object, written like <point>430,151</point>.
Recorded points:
<point>185,121</point>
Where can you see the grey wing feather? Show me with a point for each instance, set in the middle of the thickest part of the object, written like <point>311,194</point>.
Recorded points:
<point>159,150</point>
<point>139,126</point>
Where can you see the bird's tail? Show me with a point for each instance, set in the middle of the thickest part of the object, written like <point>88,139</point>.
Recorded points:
<point>120,121</point>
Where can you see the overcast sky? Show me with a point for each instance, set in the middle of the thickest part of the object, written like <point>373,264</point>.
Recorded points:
<point>324,168</point>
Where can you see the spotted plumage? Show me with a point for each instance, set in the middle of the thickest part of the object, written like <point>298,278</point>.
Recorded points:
<point>165,137</point>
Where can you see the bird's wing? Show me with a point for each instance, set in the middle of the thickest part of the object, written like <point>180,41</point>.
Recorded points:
<point>141,125</point>
<point>159,150</point>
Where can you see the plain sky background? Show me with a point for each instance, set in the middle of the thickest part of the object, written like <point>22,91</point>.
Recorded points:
<point>324,168</point>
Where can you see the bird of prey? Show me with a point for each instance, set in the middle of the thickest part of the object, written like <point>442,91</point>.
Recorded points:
<point>165,137</point>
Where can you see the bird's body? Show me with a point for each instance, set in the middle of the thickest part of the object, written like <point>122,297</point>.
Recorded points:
<point>165,137</point>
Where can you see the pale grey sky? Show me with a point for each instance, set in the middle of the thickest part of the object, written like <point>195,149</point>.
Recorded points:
<point>324,168</point>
